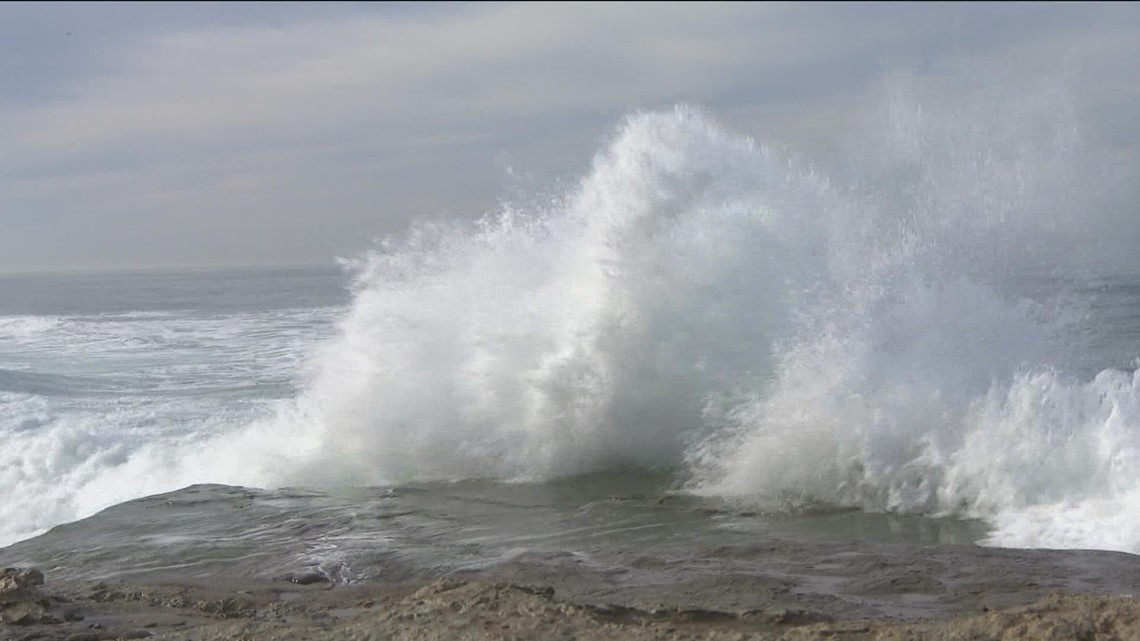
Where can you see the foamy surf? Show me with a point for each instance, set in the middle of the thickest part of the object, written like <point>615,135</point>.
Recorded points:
<point>102,402</point>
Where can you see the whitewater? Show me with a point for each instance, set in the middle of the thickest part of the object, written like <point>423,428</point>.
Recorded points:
<point>945,321</point>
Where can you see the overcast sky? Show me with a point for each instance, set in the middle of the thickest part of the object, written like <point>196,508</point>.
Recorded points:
<point>165,135</point>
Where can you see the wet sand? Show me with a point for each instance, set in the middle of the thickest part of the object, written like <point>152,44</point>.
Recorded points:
<point>773,590</point>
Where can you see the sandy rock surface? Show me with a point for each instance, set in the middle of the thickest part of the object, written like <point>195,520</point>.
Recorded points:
<point>448,609</point>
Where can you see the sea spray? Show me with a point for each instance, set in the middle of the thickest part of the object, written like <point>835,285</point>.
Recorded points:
<point>943,371</point>
<point>700,300</point>
<point>579,337</point>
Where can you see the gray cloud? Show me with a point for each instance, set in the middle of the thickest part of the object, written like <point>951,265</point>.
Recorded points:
<point>164,135</point>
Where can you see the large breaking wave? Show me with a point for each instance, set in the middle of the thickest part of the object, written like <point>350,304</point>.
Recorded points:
<point>933,324</point>
<point>915,332</point>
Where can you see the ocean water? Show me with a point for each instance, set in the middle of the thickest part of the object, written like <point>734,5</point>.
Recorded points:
<point>106,379</point>
<point>706,339</point>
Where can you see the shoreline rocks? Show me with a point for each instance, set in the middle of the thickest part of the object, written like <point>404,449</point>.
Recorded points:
<point>23,603</point>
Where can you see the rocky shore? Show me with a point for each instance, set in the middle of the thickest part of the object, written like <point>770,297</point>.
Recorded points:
<point>1004,595</point>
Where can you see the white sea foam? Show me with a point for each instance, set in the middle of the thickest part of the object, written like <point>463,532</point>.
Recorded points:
<point>931,377</point>
<point>582,336</point>
<point>95,410</point>
<point>26,327</point>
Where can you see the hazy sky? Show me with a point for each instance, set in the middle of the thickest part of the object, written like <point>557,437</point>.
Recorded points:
<point>198,134</point>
